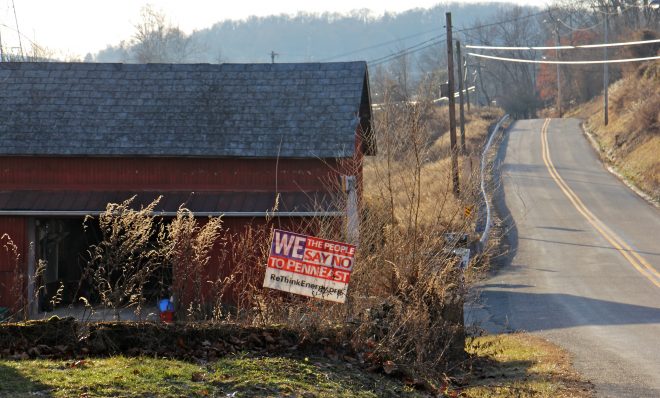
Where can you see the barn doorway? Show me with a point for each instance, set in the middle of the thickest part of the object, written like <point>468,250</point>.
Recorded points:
<point>61,244</point>
<point>62,247</point>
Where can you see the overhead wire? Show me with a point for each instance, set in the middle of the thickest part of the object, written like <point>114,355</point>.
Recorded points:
<point>436,40</point>
<point>429,31</point>
<point>380,44</point>
<point>414,49</point>
<point>503,22</point>
<point>22,35</point>
<point>564,47</point>
<point>535,61</point>
<point>580,29</point>
<point>406,51</point>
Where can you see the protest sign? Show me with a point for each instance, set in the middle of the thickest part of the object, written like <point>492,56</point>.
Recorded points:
<point>309,266</point>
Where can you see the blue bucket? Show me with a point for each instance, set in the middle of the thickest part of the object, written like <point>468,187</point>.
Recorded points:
<point>165,305</point>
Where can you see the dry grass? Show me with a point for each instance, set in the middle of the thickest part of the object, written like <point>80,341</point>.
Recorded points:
<point>631,140</point>
<point>233,376</point>
<point>120,266</point>
<point>435,170</point>
<point>521,365</point>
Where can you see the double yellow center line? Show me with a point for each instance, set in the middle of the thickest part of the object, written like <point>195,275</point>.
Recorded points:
<point>637,261</point>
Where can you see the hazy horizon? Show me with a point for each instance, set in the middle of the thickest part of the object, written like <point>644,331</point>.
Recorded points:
<point>74,28</point>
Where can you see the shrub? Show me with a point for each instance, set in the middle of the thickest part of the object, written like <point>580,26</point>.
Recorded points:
<point>186,248</point>
<point>127,256</point>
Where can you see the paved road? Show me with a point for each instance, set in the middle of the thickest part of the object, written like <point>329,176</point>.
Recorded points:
<point>585,257</point>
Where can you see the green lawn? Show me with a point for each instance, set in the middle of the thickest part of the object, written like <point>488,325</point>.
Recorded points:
<point>240,376</point>
<point>517,365</point>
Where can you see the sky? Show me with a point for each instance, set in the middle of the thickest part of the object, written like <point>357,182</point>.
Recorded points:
<point>73,28</point>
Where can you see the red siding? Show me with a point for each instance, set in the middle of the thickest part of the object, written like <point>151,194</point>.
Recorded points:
<point>164,174</point>
<point>168,174</point>
<point>16,228</point>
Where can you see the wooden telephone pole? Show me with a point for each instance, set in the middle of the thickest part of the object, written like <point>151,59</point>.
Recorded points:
<point>452,108</point>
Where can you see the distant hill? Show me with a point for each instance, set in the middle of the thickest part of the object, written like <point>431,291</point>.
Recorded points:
<point>324,37</point>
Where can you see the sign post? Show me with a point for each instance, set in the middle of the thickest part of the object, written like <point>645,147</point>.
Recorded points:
<point>309,266</point>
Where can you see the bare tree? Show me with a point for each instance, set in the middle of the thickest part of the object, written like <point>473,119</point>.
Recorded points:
<point>156,40</point>
<point>513,85</point>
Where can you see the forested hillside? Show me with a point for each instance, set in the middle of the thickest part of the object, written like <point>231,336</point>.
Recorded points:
<point>407,53</point>
<point>309,37</point>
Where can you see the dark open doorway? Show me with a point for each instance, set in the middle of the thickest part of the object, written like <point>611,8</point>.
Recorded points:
<point>62,244</point>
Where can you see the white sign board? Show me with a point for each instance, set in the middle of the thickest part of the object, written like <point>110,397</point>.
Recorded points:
<point>464,254</point>
<point>309,266</point>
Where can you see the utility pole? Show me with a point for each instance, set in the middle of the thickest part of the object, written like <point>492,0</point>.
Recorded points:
<point>466,82</point>
<point>483,91</point>
<point>606,70</point>
<point>558,77</point>
<point>452,108</point>
<point>273,54</point>
<point>460,95</point>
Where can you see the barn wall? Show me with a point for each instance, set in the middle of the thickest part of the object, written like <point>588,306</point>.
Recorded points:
<point>77,173</point>
<point>16,228</point>
<point>100,174</point>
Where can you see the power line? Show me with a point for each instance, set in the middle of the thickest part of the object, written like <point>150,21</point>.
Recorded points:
<point>534,61</point>
<point>395,56</point>
<point>379,45</point>
<point>504,21</point>
<point>21,35</point>
<point>429,31</point>
<point>566,47</point>
<point>579,29</point>
<point>414,49</point>
<point>406,51</point>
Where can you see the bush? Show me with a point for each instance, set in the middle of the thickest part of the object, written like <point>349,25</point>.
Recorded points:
<point>127,257</point>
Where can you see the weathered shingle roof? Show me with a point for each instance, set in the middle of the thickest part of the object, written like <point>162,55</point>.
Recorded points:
<point>227,110</point>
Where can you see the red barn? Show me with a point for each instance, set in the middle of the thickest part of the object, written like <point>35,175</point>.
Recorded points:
<point>223,139</point>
